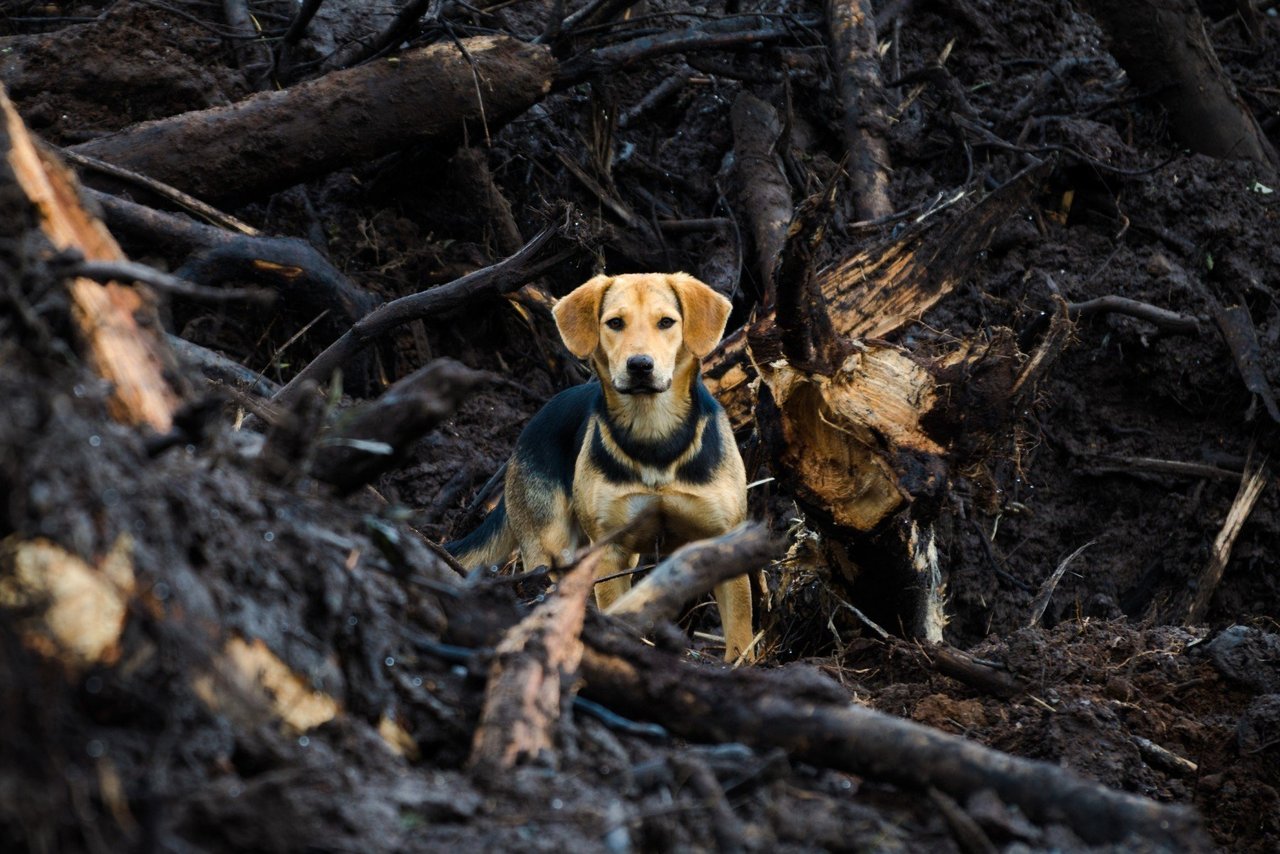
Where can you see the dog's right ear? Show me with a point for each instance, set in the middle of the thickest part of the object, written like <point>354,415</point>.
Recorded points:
<point>578,316</point>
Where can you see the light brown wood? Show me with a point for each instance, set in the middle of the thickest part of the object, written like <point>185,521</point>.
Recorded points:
<point>128,354</point>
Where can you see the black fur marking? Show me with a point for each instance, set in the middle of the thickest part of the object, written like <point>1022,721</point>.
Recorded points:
<point>661,453</point>
<point>701,467</point>
<point>548,446</point>
<point>607,463</point>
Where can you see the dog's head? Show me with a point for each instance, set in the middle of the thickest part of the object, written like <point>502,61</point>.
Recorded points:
<point>640,327</point>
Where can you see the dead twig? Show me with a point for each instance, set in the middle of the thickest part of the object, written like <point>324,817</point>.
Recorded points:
<point>1256,475</point>
<point>1170,321</point>
<point>714,35</point>
<point>500,278</point>
<point>1041,602</point>
<point>393,34</point>
<point>173,194</point>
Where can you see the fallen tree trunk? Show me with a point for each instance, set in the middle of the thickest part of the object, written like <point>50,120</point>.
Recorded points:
<point>769,709</point>
<point>854,51</point>
<point>274,140</point>
<point>1163,46</point>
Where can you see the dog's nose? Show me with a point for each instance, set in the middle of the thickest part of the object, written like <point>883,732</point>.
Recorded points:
<point>640,364</point>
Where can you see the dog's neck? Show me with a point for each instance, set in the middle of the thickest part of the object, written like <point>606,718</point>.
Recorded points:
<point>653,417</point>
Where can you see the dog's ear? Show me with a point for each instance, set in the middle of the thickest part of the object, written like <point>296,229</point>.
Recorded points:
<point>705,313</point>
<point>578,317</point>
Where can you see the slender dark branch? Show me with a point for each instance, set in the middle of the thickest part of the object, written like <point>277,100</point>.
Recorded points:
<point>1161,317</point>
<point>293,35</point>
<point>131,271</point>
<point>711,36</point>
<point>300,21</point>
<point>356,52</point>
<point>499,278</point>
<point>166,191</point>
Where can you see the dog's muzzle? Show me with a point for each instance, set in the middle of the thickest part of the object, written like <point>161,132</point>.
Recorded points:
<point>639,378</point>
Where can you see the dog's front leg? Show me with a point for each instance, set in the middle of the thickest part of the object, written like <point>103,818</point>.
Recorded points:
<point>613,562</point>
<point>733,598</point>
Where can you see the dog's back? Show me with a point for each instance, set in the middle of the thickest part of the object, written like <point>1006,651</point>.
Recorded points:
<point>544,460</point>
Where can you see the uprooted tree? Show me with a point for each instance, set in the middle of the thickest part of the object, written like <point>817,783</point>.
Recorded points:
<point>865,429</point>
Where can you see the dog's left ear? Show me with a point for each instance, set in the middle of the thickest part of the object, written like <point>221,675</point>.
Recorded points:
<point>705,313</point>
<point>578,316</point>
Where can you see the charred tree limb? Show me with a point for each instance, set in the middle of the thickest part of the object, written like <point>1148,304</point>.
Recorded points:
<point>531,677</point>
<point>272,140</point>
<point>1163,46</point>
<point>131,271</point>
<point>119,324</point>
<point>692,571</point>
<point>762,184</point>
<point>852,28</point>
<point>376,437</point>
<point>767,710</point>
<point>215,366</point>
<point>500,278</point>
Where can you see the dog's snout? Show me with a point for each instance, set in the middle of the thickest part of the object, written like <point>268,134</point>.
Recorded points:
<point>640,364</point>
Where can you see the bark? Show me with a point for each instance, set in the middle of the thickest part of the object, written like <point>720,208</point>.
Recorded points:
<point>274,140</point>
<point>119,324</point>
<point>690,572</point>
<point>1163,46</point>
<point>531,677</point>
<point>851,25</point>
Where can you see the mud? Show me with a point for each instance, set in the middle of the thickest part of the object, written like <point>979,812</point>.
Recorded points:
<point>1119,688</point>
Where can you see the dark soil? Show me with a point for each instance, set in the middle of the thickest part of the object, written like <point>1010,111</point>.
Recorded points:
<point>1121,690</point>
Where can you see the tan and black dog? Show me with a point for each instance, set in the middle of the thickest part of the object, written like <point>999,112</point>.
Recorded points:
<point>648,433</point>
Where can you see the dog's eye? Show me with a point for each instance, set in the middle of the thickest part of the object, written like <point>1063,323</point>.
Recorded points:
<point>666,323</point>
<point>614,323</point>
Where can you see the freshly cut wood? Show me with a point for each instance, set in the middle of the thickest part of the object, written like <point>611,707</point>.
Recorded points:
<point>531,679</point>
<point>880,289</point>
<point>119,324</point>
<point>834,431</point>
<point>274,140</point>
<point>76,611</point>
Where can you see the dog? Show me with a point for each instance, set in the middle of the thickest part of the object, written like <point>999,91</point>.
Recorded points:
<point>646,433</point>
